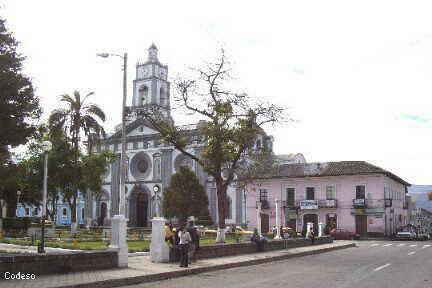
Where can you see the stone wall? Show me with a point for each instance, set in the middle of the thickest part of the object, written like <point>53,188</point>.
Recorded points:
<point>58,263</point>
<point>221,250</point>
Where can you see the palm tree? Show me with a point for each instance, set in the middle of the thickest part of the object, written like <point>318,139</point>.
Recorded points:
<point>78,119</point>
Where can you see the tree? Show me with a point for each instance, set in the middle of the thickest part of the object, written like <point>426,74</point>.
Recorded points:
<point>185,197</point>
<point>19,107</point>
<point>77,119</point>
<point>232,123</point>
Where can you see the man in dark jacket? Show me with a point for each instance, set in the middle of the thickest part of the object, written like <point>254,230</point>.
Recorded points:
<point>194,245</point>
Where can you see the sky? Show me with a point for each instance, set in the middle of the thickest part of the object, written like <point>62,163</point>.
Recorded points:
<point>355,75</point>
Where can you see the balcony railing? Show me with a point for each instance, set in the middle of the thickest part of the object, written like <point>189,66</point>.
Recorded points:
<point>359,203</point>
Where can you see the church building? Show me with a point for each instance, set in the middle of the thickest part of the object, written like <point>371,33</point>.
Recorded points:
<point>150,162</point>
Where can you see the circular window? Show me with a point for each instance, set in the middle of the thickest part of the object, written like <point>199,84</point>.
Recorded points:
<point>140,166</point>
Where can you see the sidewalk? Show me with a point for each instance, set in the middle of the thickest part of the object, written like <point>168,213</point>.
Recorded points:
<point>141,269</point>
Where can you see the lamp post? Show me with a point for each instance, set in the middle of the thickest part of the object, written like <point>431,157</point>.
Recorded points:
<point>118,223</point>
<point>46,147</point>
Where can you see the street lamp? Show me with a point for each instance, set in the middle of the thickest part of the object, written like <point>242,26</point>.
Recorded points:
<point>118,223</point>
<point>46,147</point>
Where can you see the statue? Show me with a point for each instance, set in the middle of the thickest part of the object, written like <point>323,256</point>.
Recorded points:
<point>156,200</point>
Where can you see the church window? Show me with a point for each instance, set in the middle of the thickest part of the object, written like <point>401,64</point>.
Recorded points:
<point>162,97</point>
<point>157,167</point>
<point>143,93</point>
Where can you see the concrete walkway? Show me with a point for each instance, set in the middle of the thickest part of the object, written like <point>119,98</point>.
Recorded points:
<point>141,269</point>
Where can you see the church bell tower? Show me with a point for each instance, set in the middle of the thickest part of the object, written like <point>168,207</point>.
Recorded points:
<point>151,86</point>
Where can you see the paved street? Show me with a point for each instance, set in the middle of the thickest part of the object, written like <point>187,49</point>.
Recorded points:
<point>376,264</point>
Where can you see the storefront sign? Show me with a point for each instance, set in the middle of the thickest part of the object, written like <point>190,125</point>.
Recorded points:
<point>308,204</point>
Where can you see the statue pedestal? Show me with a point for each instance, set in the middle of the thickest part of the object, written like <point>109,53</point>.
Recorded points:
<point>118,239</point>
<point>159,250</point>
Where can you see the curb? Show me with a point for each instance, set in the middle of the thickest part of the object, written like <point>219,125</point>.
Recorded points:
<point>175,274</point>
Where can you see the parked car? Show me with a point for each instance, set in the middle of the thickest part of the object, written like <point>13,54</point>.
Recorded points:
<point>406,235</point>
<point>342,234</point>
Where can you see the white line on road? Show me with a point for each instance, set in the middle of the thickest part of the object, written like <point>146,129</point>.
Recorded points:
<point>373,245</point>
<point>400,245</point>
<point>411,253</point>
<point>388,245</point>
<point>425,246</point>
<point>414,245</point>
<point>382,267</point>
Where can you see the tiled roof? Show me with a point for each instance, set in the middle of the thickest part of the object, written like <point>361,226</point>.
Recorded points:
<point>332,169</point>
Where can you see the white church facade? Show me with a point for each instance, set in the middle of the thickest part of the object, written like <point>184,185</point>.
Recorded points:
<point>150,162</point>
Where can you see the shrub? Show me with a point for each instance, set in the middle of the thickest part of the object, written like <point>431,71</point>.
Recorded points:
<point>16,223</point>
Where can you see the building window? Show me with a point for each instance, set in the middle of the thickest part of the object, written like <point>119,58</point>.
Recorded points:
<point>290,197</point>
<point>360,191</point>
<point>27,211</point>
<point>115,147</point>
<point>387,193</point>
<point>157,167</point>
<point>82,213</point>
<point>64,213</point>
<point>141,129</point>
<point>35,211</point>
<point>310,193</point>
<point>135,145</point>
<point>263,195</point>
<point>162,96</point>
<point>143,93</point>
<point>330,192</point>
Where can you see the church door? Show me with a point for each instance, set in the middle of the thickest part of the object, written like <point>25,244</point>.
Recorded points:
<point>141,210</point>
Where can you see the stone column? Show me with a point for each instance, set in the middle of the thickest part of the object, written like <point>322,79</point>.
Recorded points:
<point>118,239</point>
<point>159,250</point>
<point>320,229</point>
<point>259,217</point>
<point>278,236</point>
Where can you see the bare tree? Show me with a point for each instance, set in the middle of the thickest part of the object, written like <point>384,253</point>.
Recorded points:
<point>232,123</point>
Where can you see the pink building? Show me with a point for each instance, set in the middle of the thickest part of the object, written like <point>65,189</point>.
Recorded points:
<point>353,195</point>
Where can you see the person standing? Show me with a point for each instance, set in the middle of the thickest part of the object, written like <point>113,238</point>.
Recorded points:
<point>312,236</point>
<point>194,244</point>
<point>184,240</point>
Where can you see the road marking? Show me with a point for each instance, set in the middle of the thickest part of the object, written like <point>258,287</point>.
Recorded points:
<point>400,245</point>
<point>381,267</point>
<point>425,246</point>
<point>414,245</point>
<point>373,245</point>
<point>388,245</point>
<point>411,253</point>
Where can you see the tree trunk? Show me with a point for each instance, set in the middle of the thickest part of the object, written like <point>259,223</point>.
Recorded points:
<point>221,196</point>
<point>74,223</point>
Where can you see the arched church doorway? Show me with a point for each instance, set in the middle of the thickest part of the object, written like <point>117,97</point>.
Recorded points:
<point>138,207</point>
